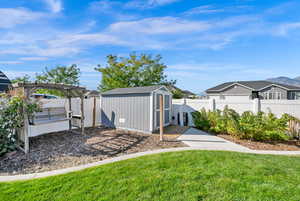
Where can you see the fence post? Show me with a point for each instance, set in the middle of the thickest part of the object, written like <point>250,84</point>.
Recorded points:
<point>212,104</point>
<point>181,112</point>
<point>256,105</point>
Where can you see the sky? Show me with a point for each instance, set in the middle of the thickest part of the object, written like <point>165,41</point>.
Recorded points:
<point>203,42</point>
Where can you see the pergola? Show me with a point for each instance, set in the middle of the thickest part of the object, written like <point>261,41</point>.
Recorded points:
<point>70,91</point>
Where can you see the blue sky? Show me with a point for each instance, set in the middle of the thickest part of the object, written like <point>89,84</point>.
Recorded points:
<point>203,43</point>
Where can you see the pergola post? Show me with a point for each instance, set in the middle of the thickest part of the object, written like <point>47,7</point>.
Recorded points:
<point>70,109</point>
<point>94,112</point>
<point>82,113</point>
<point>26,122</point>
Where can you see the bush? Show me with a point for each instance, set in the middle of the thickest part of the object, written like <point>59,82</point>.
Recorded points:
<point>11,119</point>
<point>259,127</point>
<point>201,120</point>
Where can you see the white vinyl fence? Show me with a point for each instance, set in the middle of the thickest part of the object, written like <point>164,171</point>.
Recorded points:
<point>182,109</point>
<point>50,127</point>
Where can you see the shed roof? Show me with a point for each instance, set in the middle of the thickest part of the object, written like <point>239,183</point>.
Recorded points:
<point>253,85</point>
<point>4,82</point>
<point>133,90</point>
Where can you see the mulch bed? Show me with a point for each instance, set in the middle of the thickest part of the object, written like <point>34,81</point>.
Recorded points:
<point>65,149</point>
<point>292,145</point>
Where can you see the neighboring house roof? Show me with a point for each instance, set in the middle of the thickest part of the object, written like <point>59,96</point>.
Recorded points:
<point>4,82</point>
<point>133,90</point>
<point>185,92</point>
<point>252,85</point>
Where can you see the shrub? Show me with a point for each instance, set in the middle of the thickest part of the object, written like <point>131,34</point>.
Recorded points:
<point>11,119</point>
<point>259,127</point>
<point>275,136</point>
<point>201,120</point>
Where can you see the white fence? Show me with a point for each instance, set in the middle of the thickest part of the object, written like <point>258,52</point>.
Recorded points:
<point>35,130</point>
<point>182,109</point>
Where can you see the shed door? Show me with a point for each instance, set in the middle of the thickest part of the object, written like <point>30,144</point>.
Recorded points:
<point>167,109</point>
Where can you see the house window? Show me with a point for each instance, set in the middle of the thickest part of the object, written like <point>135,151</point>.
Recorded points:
<point>294,95</point>
<point>272,95</point>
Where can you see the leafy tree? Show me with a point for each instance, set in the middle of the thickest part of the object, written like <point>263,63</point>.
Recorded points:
<point>134,71</point>
<point>25,78</point>
<point>59,75</point>
<point>177,94</point>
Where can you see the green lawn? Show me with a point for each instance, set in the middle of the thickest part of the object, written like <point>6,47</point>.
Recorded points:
<point>186,176</point>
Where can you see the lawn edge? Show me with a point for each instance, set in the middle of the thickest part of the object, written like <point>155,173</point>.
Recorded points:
<point>130,156</point>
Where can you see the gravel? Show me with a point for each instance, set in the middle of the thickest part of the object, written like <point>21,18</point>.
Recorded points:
<point>65,149</point>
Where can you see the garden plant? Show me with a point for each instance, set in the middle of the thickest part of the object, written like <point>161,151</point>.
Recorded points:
<point>259,127</point>
<point>12,119</point>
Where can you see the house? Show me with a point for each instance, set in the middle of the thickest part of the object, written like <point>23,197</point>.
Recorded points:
<point>136,108</point>
<point>245,90</point>
<point>4,82</point>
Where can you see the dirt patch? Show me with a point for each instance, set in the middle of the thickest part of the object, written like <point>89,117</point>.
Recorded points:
<point>292,145</point>
<point>65,149</point>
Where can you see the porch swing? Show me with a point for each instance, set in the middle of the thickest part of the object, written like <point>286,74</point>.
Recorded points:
<point>50,116</point>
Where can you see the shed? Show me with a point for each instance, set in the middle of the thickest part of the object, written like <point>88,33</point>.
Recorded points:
<point>135,109</point>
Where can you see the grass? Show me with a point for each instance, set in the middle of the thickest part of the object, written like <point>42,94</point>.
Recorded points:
<point>186,176</point>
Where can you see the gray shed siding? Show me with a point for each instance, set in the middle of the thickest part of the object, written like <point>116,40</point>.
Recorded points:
<point>129,111</point>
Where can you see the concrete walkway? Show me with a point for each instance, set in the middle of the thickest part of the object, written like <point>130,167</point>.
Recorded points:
<point>202,140</point>
<point>196,139</point>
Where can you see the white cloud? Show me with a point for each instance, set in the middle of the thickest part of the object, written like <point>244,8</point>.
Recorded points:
<point>207,9</point>
<point>114,9</point>
<point>104,6</point>
<point>159,25</point>
<point>10,62</point>
<point>11,17</point>
<point>146,4</point>
<point>86,39</point>
<point>284,29</point>
<point>33,58</point>
<point>55,6</point>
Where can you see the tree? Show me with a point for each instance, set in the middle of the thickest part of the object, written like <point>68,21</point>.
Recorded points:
<point>59,75</point>
<point>134,71</point>
<point>24,79</point>
<point>177,94</point>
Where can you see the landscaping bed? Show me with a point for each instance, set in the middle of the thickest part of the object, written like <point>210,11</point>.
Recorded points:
<point>291,145</point>
<point>65,149</point>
